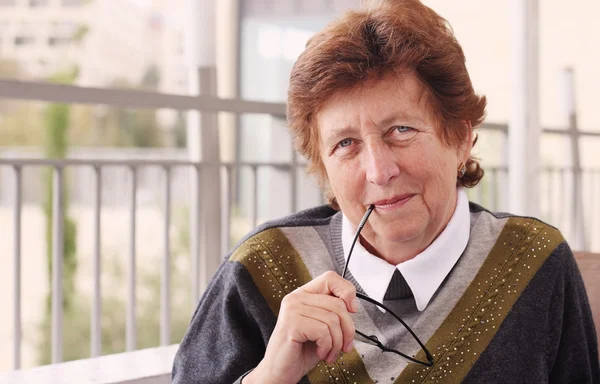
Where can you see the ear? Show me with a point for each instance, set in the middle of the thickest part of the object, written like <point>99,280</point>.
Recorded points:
<point>464,149</point>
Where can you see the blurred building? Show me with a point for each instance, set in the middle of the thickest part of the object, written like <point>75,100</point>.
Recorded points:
<point>167,47</point>
<point>110,42</point>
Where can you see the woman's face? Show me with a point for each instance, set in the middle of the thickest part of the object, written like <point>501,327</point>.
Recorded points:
<point>380,145</point>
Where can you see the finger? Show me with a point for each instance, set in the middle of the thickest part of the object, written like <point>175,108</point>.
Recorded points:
<point>332,320</point>
<point>309,329</point>
<point>299,321</point>
<point>330,283</point>
<point>337,306</point>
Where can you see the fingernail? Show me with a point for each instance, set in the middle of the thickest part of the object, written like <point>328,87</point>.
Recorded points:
<point>355,304</point>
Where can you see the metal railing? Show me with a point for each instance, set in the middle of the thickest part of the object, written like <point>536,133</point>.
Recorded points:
<point>491,193</point>
<point>201,268</point>
<point>556,200</point>
<point>134,166</point>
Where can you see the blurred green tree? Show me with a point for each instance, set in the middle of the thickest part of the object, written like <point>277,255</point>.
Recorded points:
<point>56,123</point>
<point>77,320</point>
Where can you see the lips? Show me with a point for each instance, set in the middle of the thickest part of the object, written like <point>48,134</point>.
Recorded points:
<point>394,201</point>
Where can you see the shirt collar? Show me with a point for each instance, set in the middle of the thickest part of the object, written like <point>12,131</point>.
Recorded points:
<point>425,272</point>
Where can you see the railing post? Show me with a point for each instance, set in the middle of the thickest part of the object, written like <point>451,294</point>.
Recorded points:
<point>254,212</point>
<point>226,208</point>
<point>96,320</point>
<point>165,282</point>
<point>130,331</point>
<point>504,197</point>
<point>562,203</point>
<point>524,129</point>
<point>596,212</point>
<point>210,219</point>
<point>195,211</point>
<point>577,221</point>
<point>203,134</point>
<point>57,264</point>
<point>17,323</point>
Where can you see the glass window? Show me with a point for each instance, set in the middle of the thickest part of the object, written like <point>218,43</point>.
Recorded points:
<point>64,33</point>
<point>72,3</point>
<point>4,28</point>
<point>26,33</point>
<point>23,40</point>
<point>271,40</point>
<point>38,3</point>
<point>57,40</point>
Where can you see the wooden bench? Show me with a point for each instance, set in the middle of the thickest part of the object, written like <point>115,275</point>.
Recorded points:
<point>589,265</point>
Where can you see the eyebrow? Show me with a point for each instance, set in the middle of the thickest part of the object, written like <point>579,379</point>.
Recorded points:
<point>390,119</point>
<point>345,131</point>
<point>337,132</point>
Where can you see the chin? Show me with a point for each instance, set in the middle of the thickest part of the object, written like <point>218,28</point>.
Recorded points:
<point>406,233</point>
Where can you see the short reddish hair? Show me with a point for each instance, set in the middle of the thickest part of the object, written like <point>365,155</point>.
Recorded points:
<point>367,44</point>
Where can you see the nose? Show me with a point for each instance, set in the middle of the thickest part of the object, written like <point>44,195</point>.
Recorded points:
<point>381,166</point>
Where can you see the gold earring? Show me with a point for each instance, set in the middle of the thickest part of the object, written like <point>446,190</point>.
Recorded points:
<point>462,169</point>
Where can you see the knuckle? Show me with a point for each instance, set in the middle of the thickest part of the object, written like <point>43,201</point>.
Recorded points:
<point>286,302</point>
<point>324,331</point>
<point>289,299</point>
<point>349,287</point>
<point>329,275</point>
<point>350,330</point>
<point>289,305</point>
<point>339,305</point>
<point>327,341</point>
<point>333,319</point>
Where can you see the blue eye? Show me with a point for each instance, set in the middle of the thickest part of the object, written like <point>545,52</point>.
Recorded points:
<point>403,128</point>
<point>345,143</point>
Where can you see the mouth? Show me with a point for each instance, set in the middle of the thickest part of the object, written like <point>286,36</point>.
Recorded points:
<point>394,202</point>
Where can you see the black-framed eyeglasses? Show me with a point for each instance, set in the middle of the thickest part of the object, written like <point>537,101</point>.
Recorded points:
<point>372,338</point>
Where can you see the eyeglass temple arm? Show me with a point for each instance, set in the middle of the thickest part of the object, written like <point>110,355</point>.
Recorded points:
<point>386,349</point>
<point>383,347</point>
<point>360,227</point>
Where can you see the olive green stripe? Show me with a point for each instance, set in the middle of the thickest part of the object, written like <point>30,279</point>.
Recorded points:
<point>519,252</point>
<point>275,266</point>
<point>349,368</point>
<point>277,269</point>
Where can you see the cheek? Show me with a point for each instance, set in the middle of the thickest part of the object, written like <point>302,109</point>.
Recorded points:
<point>435,167</point>
<point>344,180</point>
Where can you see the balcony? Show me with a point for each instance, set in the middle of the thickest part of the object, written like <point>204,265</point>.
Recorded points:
<point>119,194</point>
<point>149,366</point>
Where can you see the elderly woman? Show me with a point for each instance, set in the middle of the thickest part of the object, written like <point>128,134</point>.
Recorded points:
<point>400,279</point>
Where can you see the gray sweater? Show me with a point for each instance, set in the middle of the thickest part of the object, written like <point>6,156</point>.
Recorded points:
<point>512,310</point>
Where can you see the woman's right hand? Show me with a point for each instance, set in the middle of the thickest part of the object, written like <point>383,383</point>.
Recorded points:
<point>314,324</point>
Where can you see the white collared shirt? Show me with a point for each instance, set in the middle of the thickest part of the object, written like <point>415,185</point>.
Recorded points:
<point>425,272</point>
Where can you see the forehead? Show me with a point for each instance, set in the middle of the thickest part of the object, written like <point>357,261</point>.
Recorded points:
<point>395,96</point>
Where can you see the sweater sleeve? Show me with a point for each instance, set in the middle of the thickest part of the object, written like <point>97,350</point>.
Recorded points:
<point>229,331</point>
<point>576,353</point>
